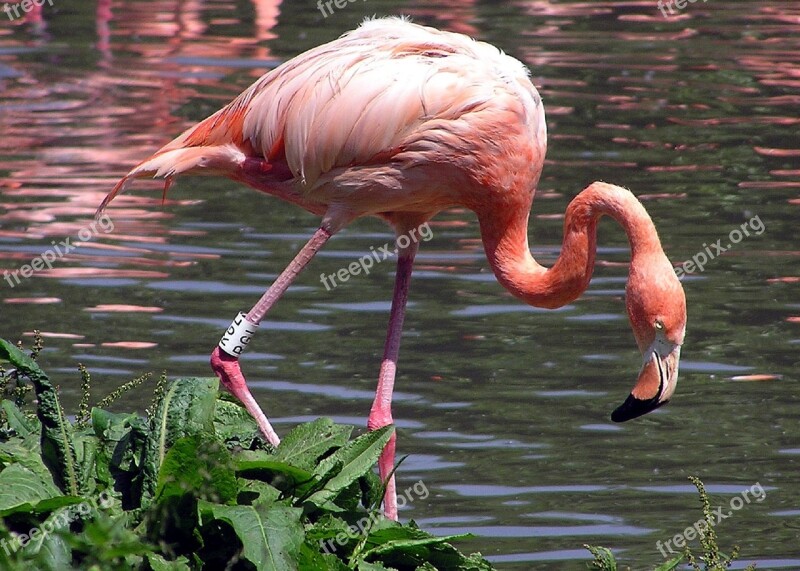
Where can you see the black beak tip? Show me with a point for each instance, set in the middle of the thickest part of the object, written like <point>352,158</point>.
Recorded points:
<point>633,407</point>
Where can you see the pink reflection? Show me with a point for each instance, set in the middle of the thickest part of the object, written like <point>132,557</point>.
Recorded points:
<point>130,344</point>
<point>63,273</point>
<point>33,300</point>
<point>69,137</point>
<point>118,308</point>
<point>777,152</point>
<point>54,335</point>
<point>756,377</point>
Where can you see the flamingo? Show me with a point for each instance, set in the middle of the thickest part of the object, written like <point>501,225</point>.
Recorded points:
<point>401,121</point>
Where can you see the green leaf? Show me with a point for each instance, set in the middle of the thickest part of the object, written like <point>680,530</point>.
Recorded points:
<point>260,465</point>
<point>200,467</point>
<point>57,446</point>
<point>405,546</point>
<point>366,566</point>
<point>310,559</point>
<point>157,562</point>
<point>306,444</point>
<point>122,441</point>
<point>233,424</point>
<point>348,464</point>
<point>603,558</point>
<point>327,527</point>
<point>671,564</point>
<point>186,409</point>
<point>253,492</point>
<point>22,489</point>
<point>271,538</point>
<point>17,420</point>
<point>26,452</point>
<point>112,426</point>
<point>85,445</point>
<point>49,549</point>
<point>53,553</point>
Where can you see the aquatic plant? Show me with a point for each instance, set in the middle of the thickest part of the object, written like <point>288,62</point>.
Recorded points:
<point>712,558</point>
<point>192,486</point>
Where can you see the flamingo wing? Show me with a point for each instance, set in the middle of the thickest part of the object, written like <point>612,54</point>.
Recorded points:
<point>387,91</point>
<point>373,92</point>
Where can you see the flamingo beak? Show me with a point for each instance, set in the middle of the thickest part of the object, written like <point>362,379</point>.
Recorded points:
<point>655,385</point>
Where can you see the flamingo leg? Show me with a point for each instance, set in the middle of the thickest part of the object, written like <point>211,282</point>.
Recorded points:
<point>381,413</point>
<point>226,366</point>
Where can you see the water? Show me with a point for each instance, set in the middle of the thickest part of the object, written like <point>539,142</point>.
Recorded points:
<point>502,409</point>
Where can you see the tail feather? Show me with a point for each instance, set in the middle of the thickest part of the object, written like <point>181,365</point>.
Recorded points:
<point>169,163</point>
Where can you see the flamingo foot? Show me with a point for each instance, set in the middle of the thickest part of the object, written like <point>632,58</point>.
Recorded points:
<point>230,375</point>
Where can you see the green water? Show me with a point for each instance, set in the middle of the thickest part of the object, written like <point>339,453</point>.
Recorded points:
<point>502,409</point>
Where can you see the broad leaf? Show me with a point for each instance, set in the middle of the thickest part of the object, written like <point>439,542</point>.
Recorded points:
<point>348,464</point>
<point>22,489</point>
<point>233,424</point>
<point>18,422</point>
<point>201,467</point>
<point>25,452</point>
<point>51,551</point>
<point>159,563</point>
<point>262,466</point>
<point>271,538</point>
<point>57,446</point>
<point>306,444</point>
<point>365,566</point>
<point>186,409</point>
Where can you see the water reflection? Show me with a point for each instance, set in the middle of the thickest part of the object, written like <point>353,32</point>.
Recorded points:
<point>503,408</point>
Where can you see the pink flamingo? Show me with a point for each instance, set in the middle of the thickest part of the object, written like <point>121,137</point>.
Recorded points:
<point>402,121</point>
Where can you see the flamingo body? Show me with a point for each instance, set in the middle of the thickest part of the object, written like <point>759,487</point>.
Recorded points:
<point>401,121</point>
<point>382,120</point>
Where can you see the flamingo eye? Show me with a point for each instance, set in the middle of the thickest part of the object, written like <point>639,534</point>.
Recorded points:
<point>659,325</point>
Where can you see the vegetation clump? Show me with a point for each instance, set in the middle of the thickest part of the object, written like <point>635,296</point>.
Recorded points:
<point>191,486</point>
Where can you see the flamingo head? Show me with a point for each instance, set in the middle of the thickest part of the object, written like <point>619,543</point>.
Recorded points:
<point>656,308</point>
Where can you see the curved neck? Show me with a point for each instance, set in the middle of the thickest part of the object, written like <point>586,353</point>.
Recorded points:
<point>505,240</point>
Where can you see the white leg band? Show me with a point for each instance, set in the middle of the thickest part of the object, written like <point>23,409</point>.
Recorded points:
<point>235,339</point>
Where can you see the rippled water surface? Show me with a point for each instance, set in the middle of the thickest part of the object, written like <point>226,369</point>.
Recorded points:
<point>502,409</point>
